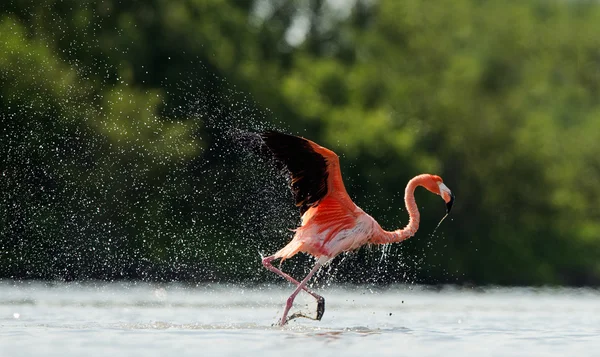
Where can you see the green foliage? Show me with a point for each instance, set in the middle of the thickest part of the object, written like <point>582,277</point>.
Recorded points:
<point>117,128</point>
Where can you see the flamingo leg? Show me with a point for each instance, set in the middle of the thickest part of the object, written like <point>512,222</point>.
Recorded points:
<point>302,285</point>
<point>267,264</point>
<point>320,300</point>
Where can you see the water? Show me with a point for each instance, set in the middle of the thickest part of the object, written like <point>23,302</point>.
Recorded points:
<point>101,319</point>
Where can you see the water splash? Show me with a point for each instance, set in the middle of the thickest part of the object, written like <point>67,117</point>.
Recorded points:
<point>438,225</point>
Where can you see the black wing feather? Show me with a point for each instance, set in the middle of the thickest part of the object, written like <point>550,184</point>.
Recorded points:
<point>307,167</point>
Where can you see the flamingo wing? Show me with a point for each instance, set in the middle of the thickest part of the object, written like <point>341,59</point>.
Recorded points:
<point>315,170</point>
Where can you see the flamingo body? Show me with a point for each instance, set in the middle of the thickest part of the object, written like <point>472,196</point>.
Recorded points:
<point>329,229</point>
<point>331,222</point>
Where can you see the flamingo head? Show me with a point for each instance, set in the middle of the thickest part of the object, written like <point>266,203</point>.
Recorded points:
<point>435,184</point>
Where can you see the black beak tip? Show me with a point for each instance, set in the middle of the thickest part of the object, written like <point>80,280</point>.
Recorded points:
<point>449,204</point>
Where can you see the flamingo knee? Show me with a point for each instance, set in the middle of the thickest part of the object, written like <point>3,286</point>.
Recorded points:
<point>266,262</point>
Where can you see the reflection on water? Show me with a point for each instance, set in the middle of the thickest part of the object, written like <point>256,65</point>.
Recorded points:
<point>146,319</point>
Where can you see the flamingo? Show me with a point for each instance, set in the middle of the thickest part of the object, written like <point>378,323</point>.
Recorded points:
<point>330,222</point>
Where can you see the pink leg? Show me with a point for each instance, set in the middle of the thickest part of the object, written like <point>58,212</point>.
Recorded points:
<point>320,300</point>
<point>267,264</point>
<point>302,285</point>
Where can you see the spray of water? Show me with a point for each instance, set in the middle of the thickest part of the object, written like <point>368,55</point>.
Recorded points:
<point>438,225</point>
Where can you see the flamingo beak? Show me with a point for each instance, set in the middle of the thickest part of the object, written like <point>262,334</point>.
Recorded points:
<point>450,203</point>
<point>448,197</point>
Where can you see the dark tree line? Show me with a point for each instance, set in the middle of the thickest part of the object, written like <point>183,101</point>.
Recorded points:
<point>126,153</point>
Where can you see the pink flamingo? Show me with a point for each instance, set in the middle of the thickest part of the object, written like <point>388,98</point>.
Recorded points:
<point>331,222</point>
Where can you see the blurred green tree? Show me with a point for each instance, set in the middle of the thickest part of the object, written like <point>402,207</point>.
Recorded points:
<point>122,133</point>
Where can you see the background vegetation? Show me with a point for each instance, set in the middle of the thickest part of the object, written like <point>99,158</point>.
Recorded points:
<point>124,154</point>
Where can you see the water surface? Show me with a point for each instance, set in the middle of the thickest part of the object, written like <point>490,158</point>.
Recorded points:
<point>60,319</point>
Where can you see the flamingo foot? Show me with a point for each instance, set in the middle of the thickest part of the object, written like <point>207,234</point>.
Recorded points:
<point>320,312</point>
<point>320,308</point>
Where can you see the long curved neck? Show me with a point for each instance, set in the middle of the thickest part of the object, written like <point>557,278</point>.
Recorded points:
<point>413,212</point>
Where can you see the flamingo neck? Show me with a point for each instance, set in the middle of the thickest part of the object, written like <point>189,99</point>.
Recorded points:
<point>413,212</point>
